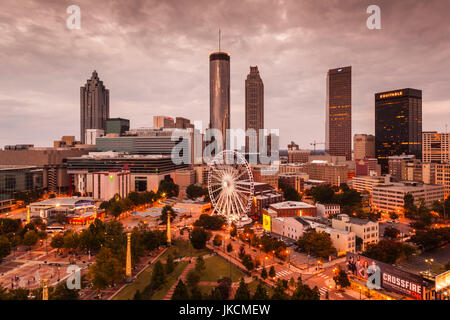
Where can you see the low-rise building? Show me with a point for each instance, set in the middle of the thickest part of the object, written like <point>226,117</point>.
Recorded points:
<point>292,209</point>
<point>326,210</point>
<point>289,227</point>
<point>390,197</point>
<point>293,180</point>
<point>367,183</point>
<point>78,209</point>
<point>443,177</point>
<point>367,230</point>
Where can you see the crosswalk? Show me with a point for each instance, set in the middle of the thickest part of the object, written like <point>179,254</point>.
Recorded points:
<point>323,290</point>
<point>322,275</point>
<point>284,274</point>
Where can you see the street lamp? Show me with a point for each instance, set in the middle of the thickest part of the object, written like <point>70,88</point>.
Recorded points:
<point>289,258</point>
<point>429,262</point>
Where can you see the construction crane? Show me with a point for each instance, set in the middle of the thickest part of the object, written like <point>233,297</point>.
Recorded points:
<point>315,143</point>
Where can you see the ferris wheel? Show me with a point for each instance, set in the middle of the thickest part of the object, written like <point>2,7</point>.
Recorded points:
<point>230,185</point>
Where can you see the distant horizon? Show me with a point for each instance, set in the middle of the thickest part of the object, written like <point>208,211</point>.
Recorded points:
<point>154,61</point>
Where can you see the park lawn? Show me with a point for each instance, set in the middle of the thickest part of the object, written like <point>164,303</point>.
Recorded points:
<point>178,248</point>
<point>252,287</point>
<point>171,279</point>
<point>217,268</point>
<point>142,280</point>
<point>182,248</point>
<point>206,290</point>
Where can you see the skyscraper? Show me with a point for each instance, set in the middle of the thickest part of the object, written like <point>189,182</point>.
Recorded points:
<point>94,105</point>
<point>364,146</point>
<point>339,112</point>
<point>254,104</point>
<point>398,124</point>
<point>219,93</point>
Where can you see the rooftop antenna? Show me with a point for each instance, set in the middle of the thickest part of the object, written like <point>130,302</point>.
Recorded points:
<point>219,39</point>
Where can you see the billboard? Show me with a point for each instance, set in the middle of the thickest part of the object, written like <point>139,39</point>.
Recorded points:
<point>385,276</point>
<point>267,223</point>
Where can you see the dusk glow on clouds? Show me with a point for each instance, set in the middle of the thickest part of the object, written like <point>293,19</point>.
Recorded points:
<point>153,56</point>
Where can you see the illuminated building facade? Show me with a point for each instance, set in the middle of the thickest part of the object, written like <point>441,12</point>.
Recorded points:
<point>398,124</point>
<point>339,112</point>
<point>94,105</point>
<point>254,104</point>
<point>435,147</point>
<point>219,93</point>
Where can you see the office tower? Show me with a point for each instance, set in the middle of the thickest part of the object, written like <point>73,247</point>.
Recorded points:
<point>398,124</point>
<point>435,147</point>
<point>160,122</point>
<point>254,105</point>
<point>219,93</point>
<point>364,146</point>
<point>117,126</point>
<point>94,105</point>
<point>339,112</point>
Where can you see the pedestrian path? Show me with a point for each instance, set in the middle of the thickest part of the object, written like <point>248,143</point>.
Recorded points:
<point>323,290</point>
<point>284,274</point>
<point>182,277</point>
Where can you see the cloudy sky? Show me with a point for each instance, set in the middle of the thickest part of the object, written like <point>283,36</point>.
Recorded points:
<point>153,56</point>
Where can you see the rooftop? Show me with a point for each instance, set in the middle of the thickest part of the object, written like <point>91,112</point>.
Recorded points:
<point>292,205</point>
<point>63,201</point>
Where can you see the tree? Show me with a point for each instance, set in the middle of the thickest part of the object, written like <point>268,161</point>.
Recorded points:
<point>341,278</point>
<point>57,242</point>
<point>216,294</point>
<point>180,292</point>
<point>170,265</point>
<point>61,292</point>
<point>167,188</point>
<point>229,248</point>
<point>260,293</point>
<point>279,293</point>
<point>106,270</point>
<point>304,292</point>
<point>388,251</point>
<point>192,279</point>
<point>248,262</point>
<point>264,273</point>
<point>5,247</point>
<point>272,272</point>
<point>408,205</point>
<point>318,243</point>
<point>233,231</point>
<point>194,191</point>
<point>167,210</point>
<point>224,287</point>
<point>200,265</point>
<point>217,241</point>
<point>289,193</point>
<point>322,194</point>
<point>196,294</point>
<point>199,237</point>
<point>30,238</point>
<point>242,292</point>
<point>210,222</point>
<point>158,276</point>
<point>391,232</point>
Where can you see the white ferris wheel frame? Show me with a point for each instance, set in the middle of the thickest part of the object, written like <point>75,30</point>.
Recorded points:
<point>228,197</point>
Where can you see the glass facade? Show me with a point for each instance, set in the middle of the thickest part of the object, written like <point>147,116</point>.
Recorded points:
<point>219,90</point>
<point>398,124</point>
<point>339,112</point>
<point>19,179</point>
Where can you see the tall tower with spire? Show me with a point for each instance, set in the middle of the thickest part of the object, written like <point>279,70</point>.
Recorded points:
<point>219,92</point>
<point>94,105</point>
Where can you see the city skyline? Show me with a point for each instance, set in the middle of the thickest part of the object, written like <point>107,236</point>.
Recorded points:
<point>169,75</point>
